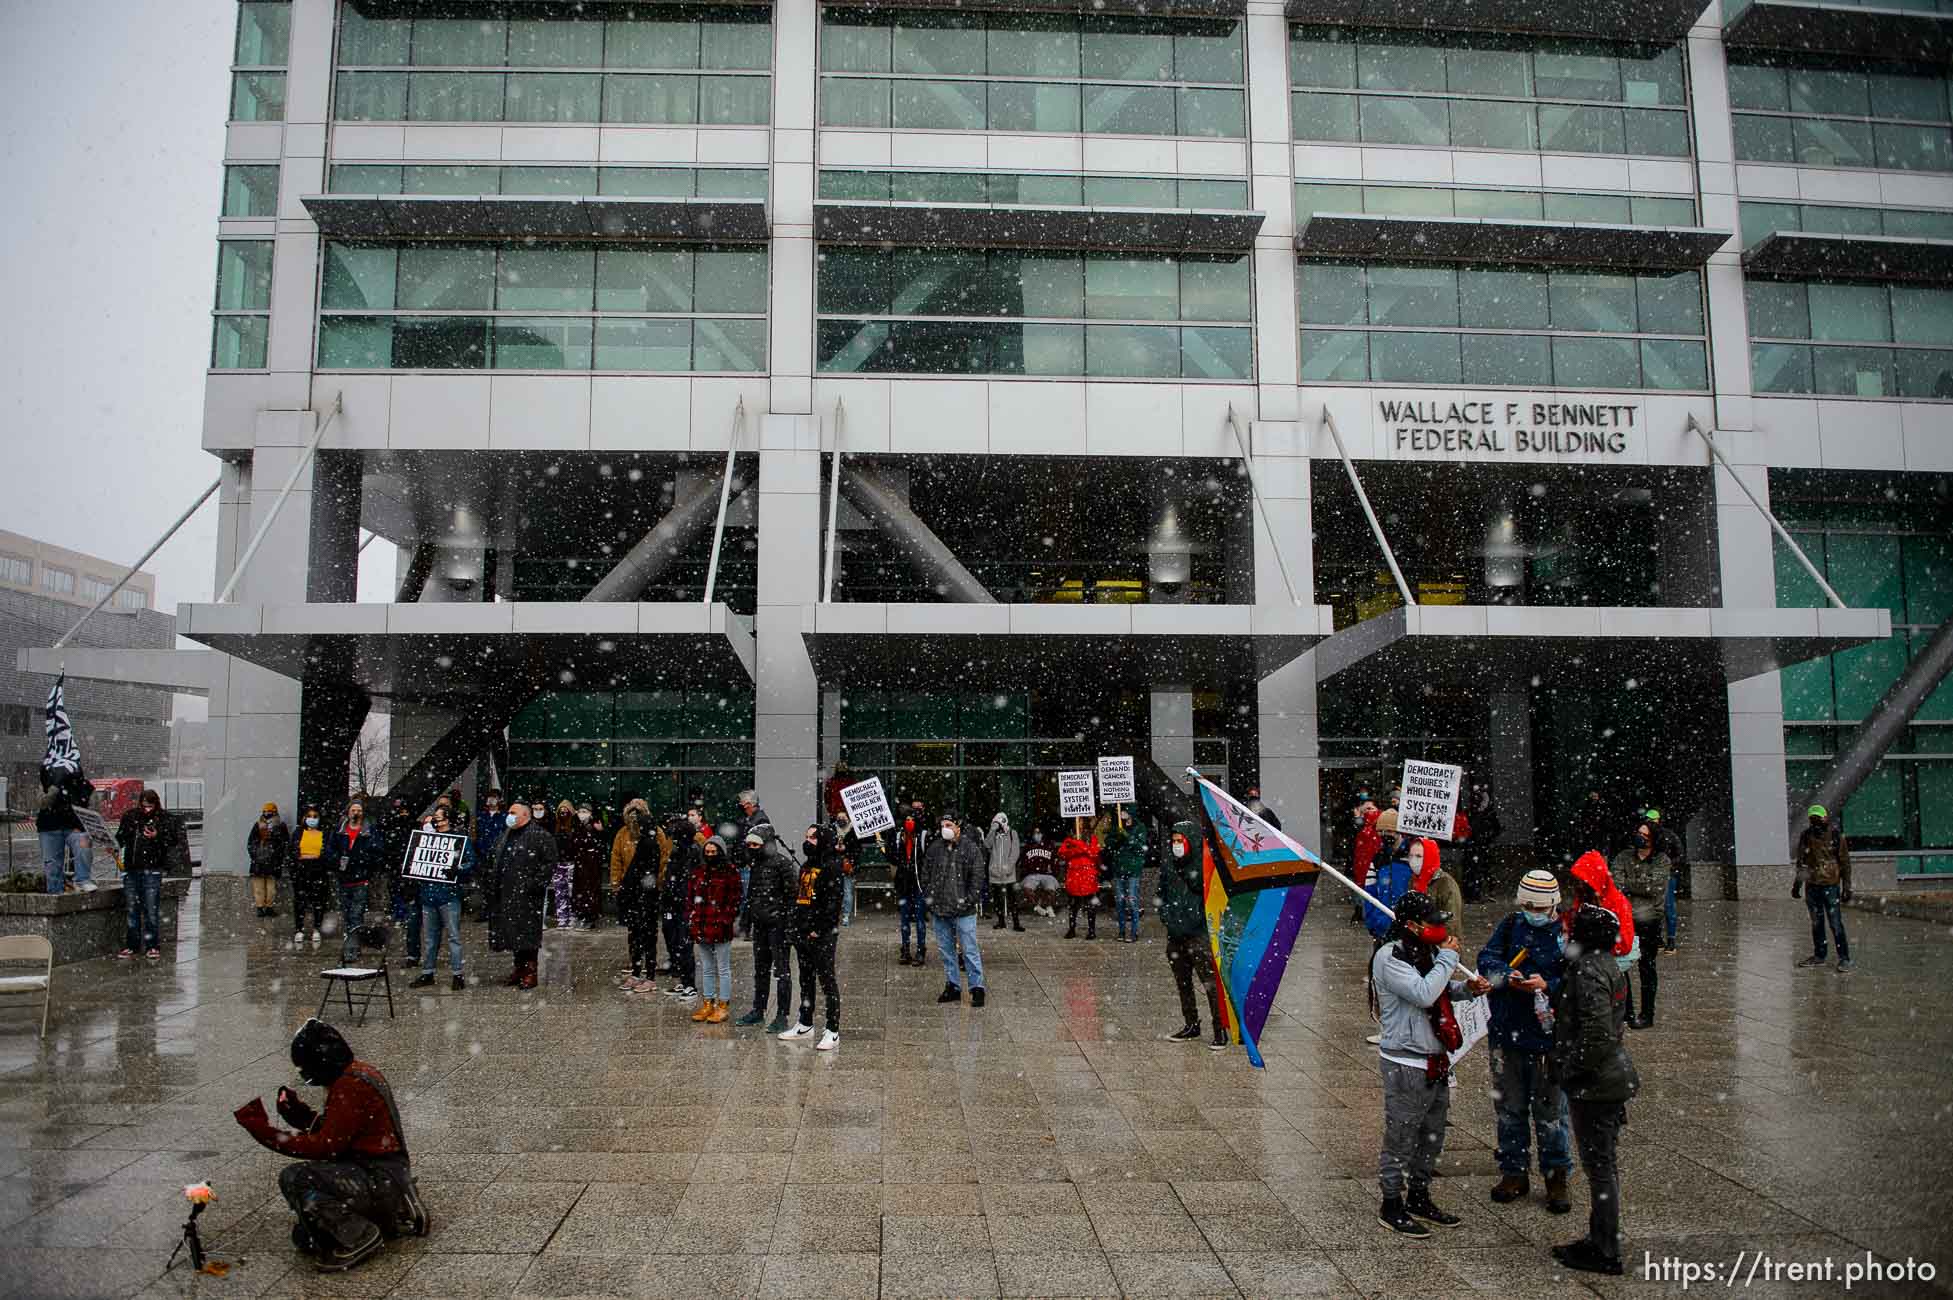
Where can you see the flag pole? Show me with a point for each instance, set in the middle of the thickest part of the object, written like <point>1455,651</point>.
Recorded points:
<point>1307,856</point>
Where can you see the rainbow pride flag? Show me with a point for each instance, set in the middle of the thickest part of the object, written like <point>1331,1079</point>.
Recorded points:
<point>1257,887</point>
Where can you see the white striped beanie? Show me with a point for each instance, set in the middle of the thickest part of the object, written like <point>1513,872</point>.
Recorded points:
<point>1539,889</point>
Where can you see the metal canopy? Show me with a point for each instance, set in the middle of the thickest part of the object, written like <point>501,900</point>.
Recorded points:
<point>1487,647</point>
<point>1856,257</point>
<point>474,650</point>
<point>1663,21</point>
<point>1525,243</point>
<point>440,216</point>
<point>1912,35</point>
<point>185,672</point>
<point>987,225</point>
<point>983,647</point>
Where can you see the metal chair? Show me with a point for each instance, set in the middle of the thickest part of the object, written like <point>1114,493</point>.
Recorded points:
<point>29,947</point>
<point>374,937</point>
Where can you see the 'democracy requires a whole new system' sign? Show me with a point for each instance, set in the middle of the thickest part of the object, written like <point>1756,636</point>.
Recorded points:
<point>1508,426</point>
<point>867,806</point>
<point>435,857</point>
<point>1075,794</point>
<point>1428,806</point>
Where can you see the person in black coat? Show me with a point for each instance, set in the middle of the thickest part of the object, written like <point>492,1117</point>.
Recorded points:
<point>355,856</point>
<point>516,882</point>
<point>1589,1062</point>
<point>148,837</point>
<point>62,791</point>
<point>687,834</point>
<point>815,928</point>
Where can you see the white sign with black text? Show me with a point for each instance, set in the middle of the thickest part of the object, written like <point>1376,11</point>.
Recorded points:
<point>867,807</point>
<point>1116,780</point>
<point>435,857</point>
<point>1429,803</point>
<point>1075,794</point>
<point>1474,1021</point>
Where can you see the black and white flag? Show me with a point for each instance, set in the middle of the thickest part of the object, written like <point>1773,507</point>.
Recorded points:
<point>62,752</point>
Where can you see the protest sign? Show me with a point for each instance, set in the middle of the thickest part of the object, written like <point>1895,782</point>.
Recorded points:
<point>1075,794</point>
<point>867,807</point>
<point>434,857</point>
<point>1428,806</point>
<point>1474,1019</point>
<point>1115,780</point>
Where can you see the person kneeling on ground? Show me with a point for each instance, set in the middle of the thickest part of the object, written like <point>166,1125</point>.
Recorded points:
<point>1411,994</point>
<point>354,1187</point>
<point>1184,913</point>
<point>1593,1067</point>
<point>1525,959</point>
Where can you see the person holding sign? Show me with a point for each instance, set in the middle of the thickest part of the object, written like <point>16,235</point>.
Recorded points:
<point>440,906</point>
<point>1125,845</point>
<point>1078,860</point>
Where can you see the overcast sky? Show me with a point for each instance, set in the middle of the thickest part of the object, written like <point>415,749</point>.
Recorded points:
<point>111,143</point>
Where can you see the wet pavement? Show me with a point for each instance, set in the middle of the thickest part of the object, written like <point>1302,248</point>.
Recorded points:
<point>1047,1145</point>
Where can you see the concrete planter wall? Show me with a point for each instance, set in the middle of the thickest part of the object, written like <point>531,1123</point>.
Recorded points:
<point>83,926</point>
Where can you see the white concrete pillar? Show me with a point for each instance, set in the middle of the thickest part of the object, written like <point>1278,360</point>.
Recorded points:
<point>787,701</point>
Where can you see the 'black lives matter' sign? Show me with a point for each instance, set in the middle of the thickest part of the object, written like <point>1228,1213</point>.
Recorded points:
<point>435,857</point>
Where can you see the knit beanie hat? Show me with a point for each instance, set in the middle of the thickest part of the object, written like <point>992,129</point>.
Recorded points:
<point>1539,889</point>
<point>1387,822</point>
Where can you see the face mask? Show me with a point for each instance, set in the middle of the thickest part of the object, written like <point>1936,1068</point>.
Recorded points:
<point>266,819</point>
<point>949,832</point>
<point>908,824</point>
<point>1540,919</point>
<point>583,816</point>
<point>1179,850</point>
<point>312,822</point>
<point>1432,934</point>
<point>1417,858</point>
<point>512,819</point>
<point>1817,823</point>
<point>353,818</point>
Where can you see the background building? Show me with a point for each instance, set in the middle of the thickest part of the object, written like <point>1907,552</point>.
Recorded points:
<point>1226,384</point>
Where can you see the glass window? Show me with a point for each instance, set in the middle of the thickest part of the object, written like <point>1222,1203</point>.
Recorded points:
<point>854,103</point>
<point>1124,49</point>
<point>1605,208</point>
<point>1499,299</point>
<point>1653,78</point>
<point>1323,117</point>
<point>251,191</point>
<point>1514,359</point>
<point>1565,73</point>
<point>455,97</point>
<point>667,100</point>
<point>1231,195</point>
<point>355,342</point>
<point>244,275</point>
<point>1406,201</point>
<point>738,346</point>
<point>730,280</point>
<point>939,105</point>
<point>635,41</point>
<point>1523,205</point>
<point>1777,309</point>
<point>653,345</point>
<point>1403,121</point>
<point>1385,65</point>
<point>1064,191</point>
<point>734,101</point>
<point>1596,363</point>
<point>1646,211</point>
<point>1780,368</point>
<point>556,42</point>
<point>1829,90</point>
<point>546,343</point>
<point>1925,374</point>
<point>549,180</point>
<point>1581,129</point>
<point>373,42</point>
<point>1850,312</point>
<point>1764,139</point>
<point>1129,192</point>
<point>655,280</point>
<point>1660,133</point>
<point>1917,98</point>
<point>446,279</point>
<point>746,46</point>
<point>545,279</point>
<point>1913,148</point>
<point>1207,111</point>
<point>938,187</point>
<point>858,280</point>
<point>1333,294</point>
<point>727,182</point>
<point>1335,356</point>
<point>1922,315</point>
<point>1030,45</point>
<point>1130,288</point>
<point>1210,352</point>
<point>942,44</point>
<point>370,97</point>
<point>1312,198</point>
<point>1327,61</point>
<point>264,33</point>
<point>1209,52</point>
<point>440,342</point>
<point>1042,349</point>
<point>358,278</point>
<point>1129,110</point>
<point>1761,220</point>
<point>472,42</point>
<point>1751,86</point>
<point>855,47</point>
<point>1670,303</point>
<point>1924,225</point>
<point>1413,295</point>
<point>553,97</point>
<point>1470,71</point>
<point>1134,351</point>
<point>1852,372</point>
<point>1215,290</point>
<point>258,97</point>
<point>1582,300</point>
<point>427,178</point>
<point>239,342</point>
<point>1826,143</point>
<point>1415,358</point>
<point>1492,124</point>
<point>1674,364</point>
<point>1830,220</point>
<point>364,178</point>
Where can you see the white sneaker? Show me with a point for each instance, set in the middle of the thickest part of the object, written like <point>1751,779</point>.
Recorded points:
<point>1374,1040</point>
<point>829,1041</point>
<point>298,937</point>
<point>315,938</point>
<point>88,886</point>
<point>797,1032</point>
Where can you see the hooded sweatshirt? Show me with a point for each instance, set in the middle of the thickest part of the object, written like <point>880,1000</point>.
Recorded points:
<point>1432,879</point>
<point>1004,850</point>
<point>1368,841</point>
<point>1078,862</point>
<point>1591,869</point>
<point>1392,882</point>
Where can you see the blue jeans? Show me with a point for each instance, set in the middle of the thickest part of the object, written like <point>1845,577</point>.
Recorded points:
<point>714,970</point>
<point>916,911</point>
<point>847,900</point>
<point>1522,1092</point>
<point>55,846</point>
<point>142,894</point>
<point>1125,902</point>
<point>1822,900</point>
<point>949,931</point>
<point>1668,910</point>
<point>352,915</point>
<point>432,917</point>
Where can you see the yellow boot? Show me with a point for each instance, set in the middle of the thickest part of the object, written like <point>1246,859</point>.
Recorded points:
<point>704,1011</point>
<point>719,1014</point>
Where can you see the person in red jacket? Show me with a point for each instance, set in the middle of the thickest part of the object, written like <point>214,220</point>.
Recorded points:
<point>354,1187</point>
<point>1078,863</point>
<point>1594,883</point>
<point>716,894</point>
<point>1364,852</point>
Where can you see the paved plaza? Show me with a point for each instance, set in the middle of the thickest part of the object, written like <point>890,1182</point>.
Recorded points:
<point>590,1144</point>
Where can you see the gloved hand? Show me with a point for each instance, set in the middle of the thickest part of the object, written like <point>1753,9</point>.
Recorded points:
<point>1797,890</point>
<point>1845,896</point>
<point>293,1110</point>
<point>251,1116</point>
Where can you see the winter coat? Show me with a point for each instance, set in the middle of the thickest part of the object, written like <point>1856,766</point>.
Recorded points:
<point>1645,882</point>
<point>1591,869</point>
<point>435,895</point>
<point>953,876</point>
<point>1392,880</point>
<point>489,829</point>
<point>61,792</point>
<point>818,895</point>
<point>1078,865</point>
<point>715,900</point>
<point>1515,1024</point>
<point>1590,1015</point>
<point>146,852</point>
<point>637,880</point>
<point>623,845</point>
<point>515,883</point>
<point>358,859</point>
<point>910,846</point>
<point>1183,907</point>
<point>267,847</point>
<point>1036,861</point>
<point>1433,880</point>
<point>1823,858</point>
<point>1364,852</point>
<point>675,884</point>
<point>1125,850</point>
<point>1005,849</point>
<point>772,883</point>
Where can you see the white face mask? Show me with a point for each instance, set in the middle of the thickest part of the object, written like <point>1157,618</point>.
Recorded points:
<point>312,823</point>
<point>1541,919</point>
<point>1179,850</point>
<point>582,816</point>
<point>949,832</point>
<point>512,820</point>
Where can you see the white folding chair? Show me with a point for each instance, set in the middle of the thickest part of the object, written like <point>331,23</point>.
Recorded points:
<point>29,947</point>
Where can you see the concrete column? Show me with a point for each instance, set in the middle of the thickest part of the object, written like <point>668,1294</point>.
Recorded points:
<point>1172,730</point>
<point>1757,775</point>
<point>1272,191</point>
<point>791,345</point>
<point>1288,725</point>
<point>1509,737</point>
<point>787,702</point>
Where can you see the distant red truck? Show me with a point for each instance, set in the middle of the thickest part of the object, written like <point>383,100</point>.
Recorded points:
<point>115,795</point>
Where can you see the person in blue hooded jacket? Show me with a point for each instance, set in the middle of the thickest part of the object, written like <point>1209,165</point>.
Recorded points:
<point>1391,875</point>
<point>1525,959</point>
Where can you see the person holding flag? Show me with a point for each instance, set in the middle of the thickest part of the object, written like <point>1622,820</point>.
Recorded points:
<point>65,793</point>
<point>1188,950</point>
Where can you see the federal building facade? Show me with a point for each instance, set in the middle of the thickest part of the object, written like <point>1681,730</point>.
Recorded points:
<point>962,392</point>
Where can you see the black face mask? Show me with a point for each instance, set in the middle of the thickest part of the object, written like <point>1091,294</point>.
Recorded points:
<point>1817,823</point>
